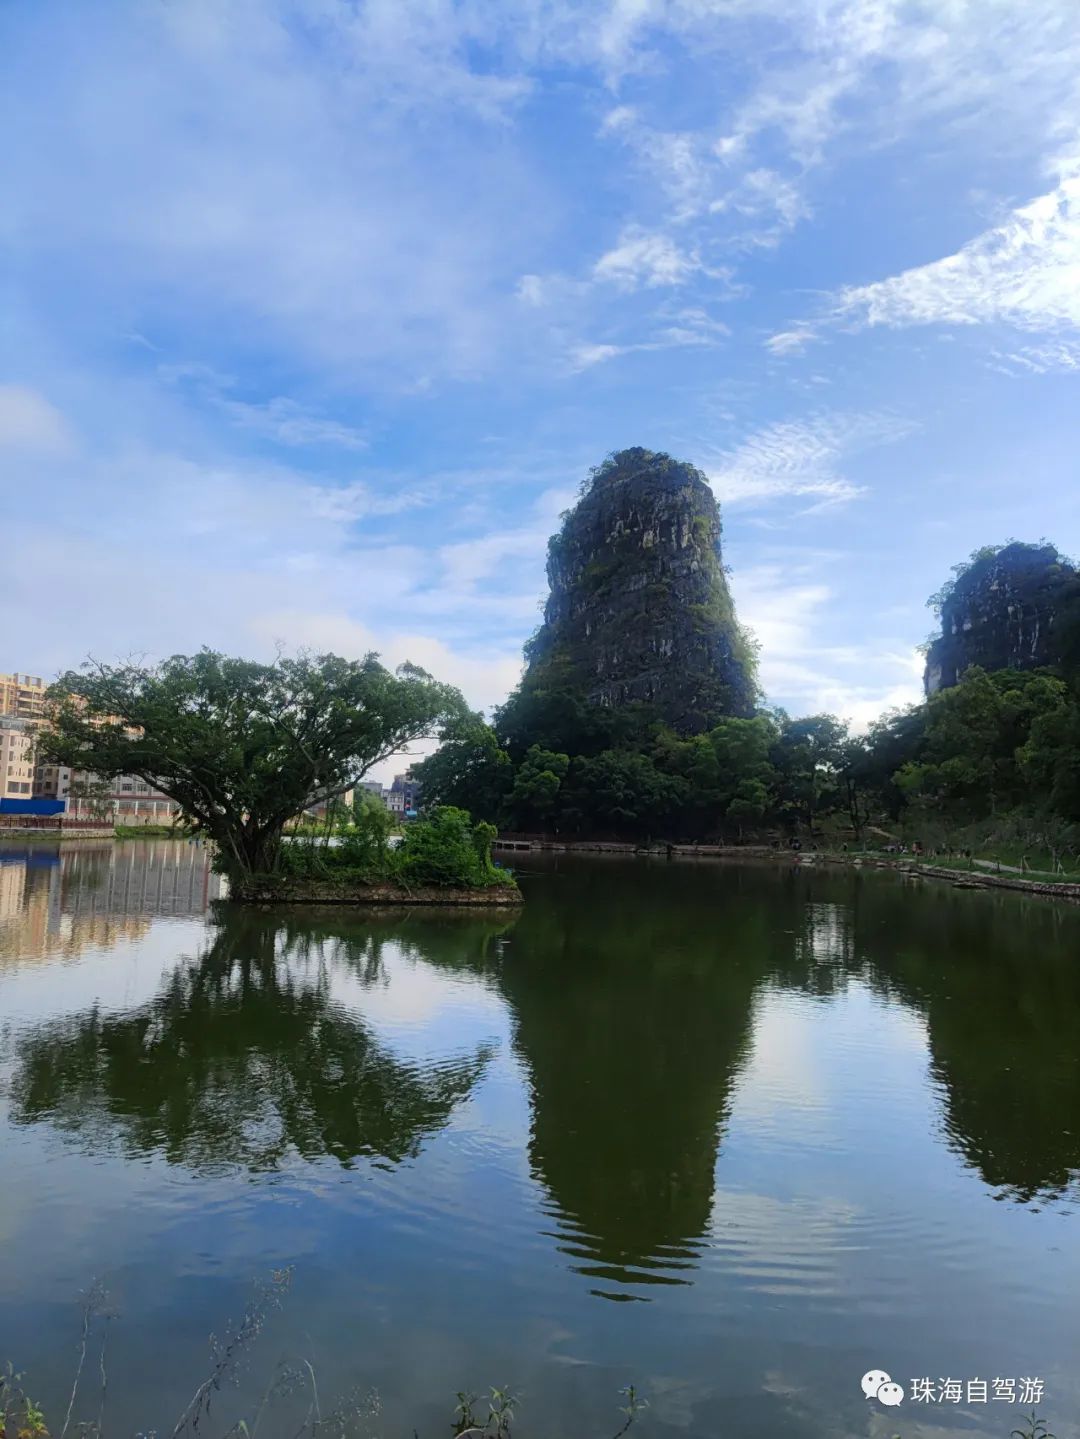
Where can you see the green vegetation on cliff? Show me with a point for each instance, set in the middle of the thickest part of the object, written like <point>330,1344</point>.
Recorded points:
<point>639,610</point>
<point>1009,607</point>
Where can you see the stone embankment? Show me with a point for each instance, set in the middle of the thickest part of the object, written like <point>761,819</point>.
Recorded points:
<point>960,878</point>
<point>54,832</point>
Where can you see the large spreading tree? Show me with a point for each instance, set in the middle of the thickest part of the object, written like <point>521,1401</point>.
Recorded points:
<point>243,747</point>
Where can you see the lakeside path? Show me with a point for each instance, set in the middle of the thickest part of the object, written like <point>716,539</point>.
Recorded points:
<point>997,867</point>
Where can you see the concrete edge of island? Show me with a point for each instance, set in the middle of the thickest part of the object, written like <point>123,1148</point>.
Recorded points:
<point>496,896</point>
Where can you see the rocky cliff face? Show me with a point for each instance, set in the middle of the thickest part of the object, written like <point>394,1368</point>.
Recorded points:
<point>1005,610</point>
<point>639,608</point>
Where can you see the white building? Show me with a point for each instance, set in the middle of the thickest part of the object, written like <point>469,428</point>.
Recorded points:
<point>131,800</point>
<point>16,757</point>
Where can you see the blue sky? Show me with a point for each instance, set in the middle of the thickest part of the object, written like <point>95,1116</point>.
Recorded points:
<point>318,312</point>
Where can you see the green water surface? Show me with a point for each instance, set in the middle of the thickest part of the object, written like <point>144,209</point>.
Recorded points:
<point>734,1134</point>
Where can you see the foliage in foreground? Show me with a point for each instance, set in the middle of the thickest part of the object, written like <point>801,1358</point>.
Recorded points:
<point>293,1387</point>
<point>243,747</point>
<point>443,850</point>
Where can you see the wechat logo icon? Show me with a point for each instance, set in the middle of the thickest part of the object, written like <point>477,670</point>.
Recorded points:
<point>876,1384</point>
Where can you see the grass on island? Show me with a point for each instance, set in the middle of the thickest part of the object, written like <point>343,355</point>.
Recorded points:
<point>444,850</point>
<point>150,831</point>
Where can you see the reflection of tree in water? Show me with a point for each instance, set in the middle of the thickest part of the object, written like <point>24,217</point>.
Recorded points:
<point>449,939</point>
<point>996,978</point>
<point>632,1007</point>
<point>242,1059</point>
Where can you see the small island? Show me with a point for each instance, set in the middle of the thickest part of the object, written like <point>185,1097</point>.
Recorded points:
<point>250,751</point>
<point>442,859</point>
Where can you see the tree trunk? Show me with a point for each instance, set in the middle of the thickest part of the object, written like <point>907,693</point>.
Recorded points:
<point>247,848</point>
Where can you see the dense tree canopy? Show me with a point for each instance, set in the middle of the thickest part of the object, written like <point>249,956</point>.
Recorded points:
<point>244,747</point>
<point>993,746</point>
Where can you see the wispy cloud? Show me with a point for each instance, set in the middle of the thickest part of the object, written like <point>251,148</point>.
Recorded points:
<point>687,328</point>
<point>801,458</point>
<point>790,342</point>
<point>641,258</point>
<point>776,202</point>
<point>278,418</point>
<point>287,422</point>
<point>1044,359</point>
<point>1025,272</point>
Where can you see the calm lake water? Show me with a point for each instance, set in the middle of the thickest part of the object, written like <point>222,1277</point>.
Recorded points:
<point>732,1134</point>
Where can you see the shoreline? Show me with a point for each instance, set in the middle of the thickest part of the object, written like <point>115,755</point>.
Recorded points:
<point>958,878</point>
<point>50,836</point>
<point>806,859</point>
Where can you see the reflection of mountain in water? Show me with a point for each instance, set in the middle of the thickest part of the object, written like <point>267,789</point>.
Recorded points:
<point>632,1009</point>
<point>632,991</point>
<point>244,1059</point>
<point>996,979</point>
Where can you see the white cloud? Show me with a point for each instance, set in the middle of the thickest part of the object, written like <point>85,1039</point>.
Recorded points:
<point>29,422</point>
<point>288,423</point>
<point>787,606</point>
<point>790,342</point>
<point>583,357</point>
<point>838,76</point>
<point>532,289</point>
<point>301,203</point>
<point>683,163</point>
<point>313,199</point>
<point>641,258</point>
<point>357,501</point>
<point>1025,272</point>
<point>485,679</point>
<point>800,458</point>
<point>668,328</point>
<point>764,194</point>
<point>1043,359</point>
<point>264,569</point>
<point>278,418</point>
